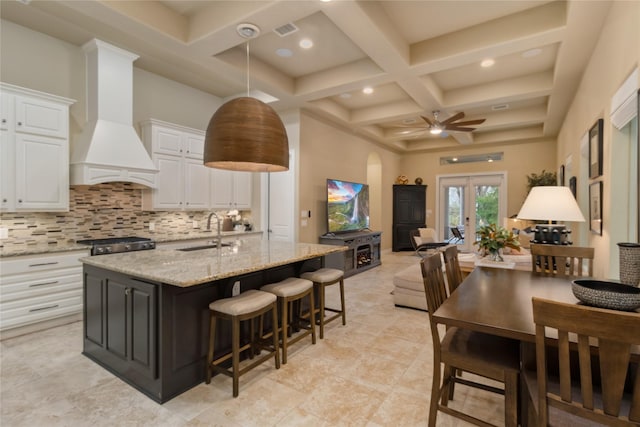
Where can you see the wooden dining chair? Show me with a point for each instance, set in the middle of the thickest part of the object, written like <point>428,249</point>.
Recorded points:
<point>452,268</point>
<point>472,352</point>
<point>559,401</point>
<point>561,260</point>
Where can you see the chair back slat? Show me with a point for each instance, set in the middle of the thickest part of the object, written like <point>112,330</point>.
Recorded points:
<point>586,379</point>
<point>560,260</point>
<point>616,334</point>
<point>452,267</point>
<point>614,360</point>
<point>565,366</point>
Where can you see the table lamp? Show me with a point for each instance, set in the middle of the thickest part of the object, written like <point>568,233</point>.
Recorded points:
<point>551,203</point>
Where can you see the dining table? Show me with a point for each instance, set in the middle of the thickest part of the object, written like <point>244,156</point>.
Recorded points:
<point>498,301</point>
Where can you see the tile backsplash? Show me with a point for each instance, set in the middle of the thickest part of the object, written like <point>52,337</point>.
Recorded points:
<point>105,210</point>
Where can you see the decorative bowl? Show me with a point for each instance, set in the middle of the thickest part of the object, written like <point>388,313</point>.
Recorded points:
<point>612,295</point>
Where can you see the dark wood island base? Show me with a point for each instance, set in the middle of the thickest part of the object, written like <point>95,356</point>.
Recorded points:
<point>154,335</point>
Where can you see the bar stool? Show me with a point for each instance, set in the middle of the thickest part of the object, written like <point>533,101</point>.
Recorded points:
<point>287,292</point>
<point>246,306</point>
<point>322,278</point>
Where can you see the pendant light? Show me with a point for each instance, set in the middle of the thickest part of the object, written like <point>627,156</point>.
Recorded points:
<point>245,134</point>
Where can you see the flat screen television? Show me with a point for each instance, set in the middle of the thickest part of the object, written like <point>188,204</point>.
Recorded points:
<point>347,206</point>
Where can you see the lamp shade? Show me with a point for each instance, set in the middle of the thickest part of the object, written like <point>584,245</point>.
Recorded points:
<point>551,203</point>
<point>245,134</point>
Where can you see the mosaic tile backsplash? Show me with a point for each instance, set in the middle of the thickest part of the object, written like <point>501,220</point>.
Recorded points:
<point>100,211</point>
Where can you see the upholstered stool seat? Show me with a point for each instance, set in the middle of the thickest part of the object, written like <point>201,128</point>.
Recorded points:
<point>322,278</point>
<point>289,291</point>
<point>248,305</point>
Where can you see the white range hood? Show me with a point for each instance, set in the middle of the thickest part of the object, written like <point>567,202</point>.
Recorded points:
<point>109,149</point>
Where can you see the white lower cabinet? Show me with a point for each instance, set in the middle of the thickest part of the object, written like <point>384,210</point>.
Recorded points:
<point>39,288</point>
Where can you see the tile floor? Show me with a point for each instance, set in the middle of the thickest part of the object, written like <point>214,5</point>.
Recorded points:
<point>375,371</point>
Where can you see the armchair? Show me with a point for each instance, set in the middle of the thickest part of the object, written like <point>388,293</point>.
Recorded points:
<point>423,240</point>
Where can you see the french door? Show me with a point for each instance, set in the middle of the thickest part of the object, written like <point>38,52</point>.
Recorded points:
<point>469,202</point>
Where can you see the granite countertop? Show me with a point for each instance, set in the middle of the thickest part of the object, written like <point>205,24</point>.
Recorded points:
<point>184,269</point>
<point>40,248</point>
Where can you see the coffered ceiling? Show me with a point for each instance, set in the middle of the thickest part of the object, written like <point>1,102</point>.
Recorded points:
<point>417,56</point>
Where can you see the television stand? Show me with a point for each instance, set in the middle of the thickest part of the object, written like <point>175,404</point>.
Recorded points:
<point>363,252</point>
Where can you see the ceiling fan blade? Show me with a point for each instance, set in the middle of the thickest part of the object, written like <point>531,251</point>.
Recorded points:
<point>429,122</point>
<point>459,129</point>
<point>469,122</point>
<point>453,118</point>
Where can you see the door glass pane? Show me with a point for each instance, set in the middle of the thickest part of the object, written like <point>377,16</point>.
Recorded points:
<point>454,209</point>
<point>487,199</point>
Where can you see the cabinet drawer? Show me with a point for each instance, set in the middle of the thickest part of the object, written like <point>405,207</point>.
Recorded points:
<point>31,310</point>
<point>43,283</point>
<point>33,263</point>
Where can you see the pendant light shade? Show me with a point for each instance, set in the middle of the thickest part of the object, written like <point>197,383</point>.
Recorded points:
<point>245,134</point>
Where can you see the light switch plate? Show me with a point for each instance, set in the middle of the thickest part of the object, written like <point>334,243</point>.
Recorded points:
<point>4,233</point>
<point>152,226</point>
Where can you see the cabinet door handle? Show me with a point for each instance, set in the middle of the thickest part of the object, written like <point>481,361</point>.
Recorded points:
<point>127,291</point>
<point>4,120</point>
<point>4,200</point>
<point>19,123</point>
<point>33,285</point>
<point>19,200</point>
<point>43,263</point>
<point>43,308</point>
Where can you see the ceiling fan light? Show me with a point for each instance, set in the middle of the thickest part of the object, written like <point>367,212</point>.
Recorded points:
<point>245,134</point>
<point>435,130</point>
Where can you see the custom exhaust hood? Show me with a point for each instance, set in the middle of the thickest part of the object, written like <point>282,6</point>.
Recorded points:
<point>109,149</point>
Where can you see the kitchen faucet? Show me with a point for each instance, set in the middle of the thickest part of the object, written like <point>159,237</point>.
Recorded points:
<point>219,220</point>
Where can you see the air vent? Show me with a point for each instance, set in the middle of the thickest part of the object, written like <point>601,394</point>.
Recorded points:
<point>286,29</point>
<point>500,107</point>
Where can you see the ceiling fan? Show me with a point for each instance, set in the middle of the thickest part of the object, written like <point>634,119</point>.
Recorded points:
<point>451,124</point>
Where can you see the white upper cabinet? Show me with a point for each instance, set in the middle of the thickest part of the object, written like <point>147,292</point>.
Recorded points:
<point>34,164</point>
<point>183,181</point>
<point>230,189</point>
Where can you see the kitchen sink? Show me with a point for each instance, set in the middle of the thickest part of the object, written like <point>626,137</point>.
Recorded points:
<point>200,247</point>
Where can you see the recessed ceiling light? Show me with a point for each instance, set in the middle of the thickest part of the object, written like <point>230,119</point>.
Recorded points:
<point>367,90</point>
<point>345,95</point>
<point>486,63</point>
<point>404,132</point>
<point>455,159</point>
<point>305,43</point>
<point>284,53</point>
<point>490,160</point>
<point>500,107</point>
<point>409,121</point>
<point>531,53</point>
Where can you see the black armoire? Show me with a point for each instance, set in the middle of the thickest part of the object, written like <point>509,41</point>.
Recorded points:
<point>409,212</point>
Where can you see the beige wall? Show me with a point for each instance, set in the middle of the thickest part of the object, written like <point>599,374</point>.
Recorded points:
<point>615,56</point>
<point>330,152</point>
<point>519,161</point>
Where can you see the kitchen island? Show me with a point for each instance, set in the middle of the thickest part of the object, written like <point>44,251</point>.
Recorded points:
<point>146,316</point>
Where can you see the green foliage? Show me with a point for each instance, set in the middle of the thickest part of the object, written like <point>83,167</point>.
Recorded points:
<point>492,237</point>
<point>543,179</point>
<point>486,205</point>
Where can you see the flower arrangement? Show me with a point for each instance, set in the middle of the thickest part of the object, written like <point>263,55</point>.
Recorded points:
<point>492,238</point>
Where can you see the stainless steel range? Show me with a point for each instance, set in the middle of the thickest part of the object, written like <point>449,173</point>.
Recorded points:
<point>114,245</point>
